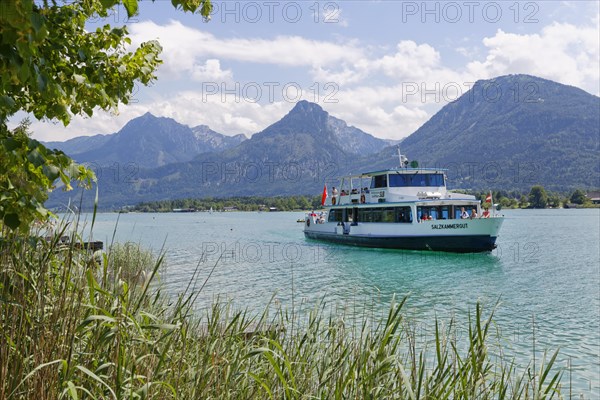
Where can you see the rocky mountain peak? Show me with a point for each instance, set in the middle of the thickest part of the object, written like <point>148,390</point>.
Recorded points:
<point>306,107</point>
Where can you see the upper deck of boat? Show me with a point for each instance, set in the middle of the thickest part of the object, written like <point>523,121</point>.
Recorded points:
<point>398,170</point>
<point>396,185</point>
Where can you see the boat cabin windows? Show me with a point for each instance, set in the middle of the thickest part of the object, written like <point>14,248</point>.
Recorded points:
<point>416,180</point>
<point>436,212</point>
<point>425,213</point>
<point>342,215</point>
<point>355,215</point>
<point>387,214</point>
<point>468,209</point>
<point>398,214</point>
<point>350,215</point>
<point>457,213</point>
<point>335,215</point>
<point>404,214</point>
<point>446,212</point>
<point>441,212</point>
<point>379,181</point>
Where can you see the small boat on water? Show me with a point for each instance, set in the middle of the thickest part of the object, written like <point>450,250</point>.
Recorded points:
<point>404,208</point>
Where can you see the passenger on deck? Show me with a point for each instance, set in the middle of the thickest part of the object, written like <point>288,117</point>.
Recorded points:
<point>334,193</point>
<point>463,213</point>
<point>474,214</point>
<point>486,213</point>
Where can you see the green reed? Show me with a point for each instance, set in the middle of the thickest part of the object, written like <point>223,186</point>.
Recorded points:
<point>75,325</point>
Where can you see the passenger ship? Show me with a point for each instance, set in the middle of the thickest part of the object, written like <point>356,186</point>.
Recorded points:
<point>404,208</point>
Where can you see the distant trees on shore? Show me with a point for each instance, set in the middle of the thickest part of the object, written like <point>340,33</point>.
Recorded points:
<point>539,198</point>
<point>253,203</point>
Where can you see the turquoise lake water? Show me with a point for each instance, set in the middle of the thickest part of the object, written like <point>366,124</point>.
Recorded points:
<point>545,273</point>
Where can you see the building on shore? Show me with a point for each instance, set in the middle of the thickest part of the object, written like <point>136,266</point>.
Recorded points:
<point>594,196</point>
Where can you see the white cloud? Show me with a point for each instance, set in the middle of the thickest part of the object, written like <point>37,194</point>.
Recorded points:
<point>379,120</point>
<point>561,52</point>
<point>211,71</point>
<point>183,46</point>
<point>344,76</point>
<point>469,52</point>
<point>411,60</point>
<point>383,111</point>
<point>248,117</point>
<point>102,122</point>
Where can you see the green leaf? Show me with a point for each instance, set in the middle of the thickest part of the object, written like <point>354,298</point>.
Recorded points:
<point>51,171</point>
<point>72,390</point>
<point>79,78</point>
<point>37,21</point>
<point>96,378</point>
<point>41,82</point>
<point>7,102</point>
<point>131,6</point>
<point>35,158</point>
<point>33,372</point>
<point>12,221</point>
<point>10,144</point>
<point>108,3</point>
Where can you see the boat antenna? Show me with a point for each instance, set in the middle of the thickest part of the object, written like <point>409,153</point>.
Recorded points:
<point>403,160</point>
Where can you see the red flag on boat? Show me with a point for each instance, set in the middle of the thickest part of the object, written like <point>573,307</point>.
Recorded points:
<point>488,198</point>
<point>324,196</point>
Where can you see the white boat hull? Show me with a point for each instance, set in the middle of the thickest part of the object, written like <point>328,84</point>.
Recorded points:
<point>461,236</point>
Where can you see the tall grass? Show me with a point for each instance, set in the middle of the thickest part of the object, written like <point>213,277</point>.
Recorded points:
<point>78,326</point>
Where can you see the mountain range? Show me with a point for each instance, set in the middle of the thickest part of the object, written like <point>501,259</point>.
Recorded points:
<point>510,132</point>
<point>147,142</point>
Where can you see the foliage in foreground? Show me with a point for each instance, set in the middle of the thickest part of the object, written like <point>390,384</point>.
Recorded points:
<point>28,172</point>
<point>52,65</point>
<point>75,325</point>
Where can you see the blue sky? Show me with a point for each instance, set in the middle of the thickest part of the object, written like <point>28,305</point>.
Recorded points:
<point>383,66</point>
